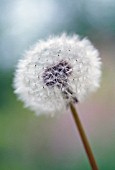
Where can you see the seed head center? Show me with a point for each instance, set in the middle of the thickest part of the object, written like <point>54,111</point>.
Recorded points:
<point>57,75</point>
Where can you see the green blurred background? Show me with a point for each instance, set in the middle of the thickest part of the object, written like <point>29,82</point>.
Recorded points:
<point>28,142</point>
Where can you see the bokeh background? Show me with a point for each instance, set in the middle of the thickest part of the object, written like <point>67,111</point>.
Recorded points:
<point>28,142</point>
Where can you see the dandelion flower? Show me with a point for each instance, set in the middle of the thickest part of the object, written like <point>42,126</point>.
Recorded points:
<point>57,71</point>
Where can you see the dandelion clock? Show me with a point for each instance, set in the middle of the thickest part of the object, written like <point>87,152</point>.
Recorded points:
<point>55,75</point>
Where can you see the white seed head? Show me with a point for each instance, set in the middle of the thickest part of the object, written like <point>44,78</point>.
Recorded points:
<point>57,71</point>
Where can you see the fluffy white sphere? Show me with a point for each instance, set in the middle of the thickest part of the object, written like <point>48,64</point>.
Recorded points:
<point>55,72</point>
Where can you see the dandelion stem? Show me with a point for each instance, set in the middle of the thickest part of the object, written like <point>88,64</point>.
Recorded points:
<point>83,138</point>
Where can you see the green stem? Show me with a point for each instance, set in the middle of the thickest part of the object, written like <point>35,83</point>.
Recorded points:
<point>83,138</point>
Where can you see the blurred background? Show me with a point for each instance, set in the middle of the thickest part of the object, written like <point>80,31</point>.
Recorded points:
<point>28,142</point>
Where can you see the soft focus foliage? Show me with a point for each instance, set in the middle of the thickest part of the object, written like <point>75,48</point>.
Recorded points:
<point>28,142</point>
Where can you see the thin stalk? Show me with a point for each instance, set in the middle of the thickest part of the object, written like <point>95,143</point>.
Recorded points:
<point>84,138</point>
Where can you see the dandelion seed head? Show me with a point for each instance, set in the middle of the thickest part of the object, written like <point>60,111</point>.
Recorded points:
<point>57,71</point>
